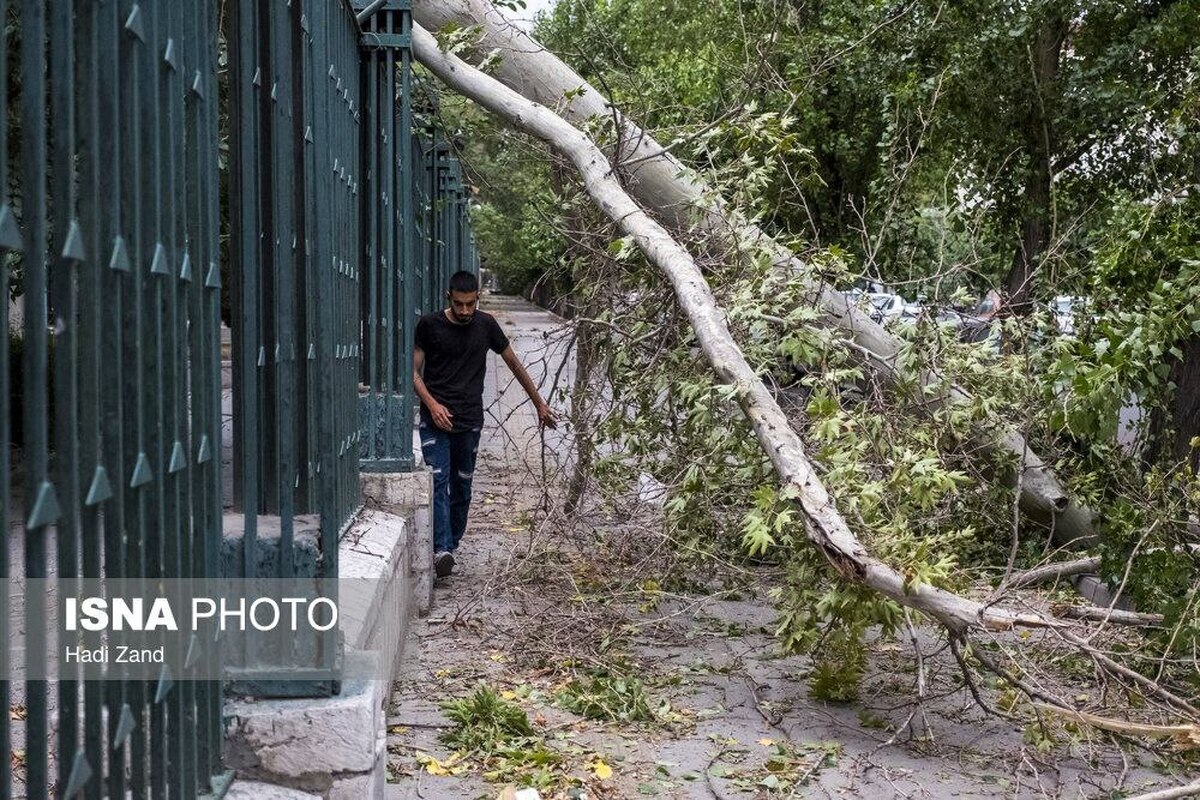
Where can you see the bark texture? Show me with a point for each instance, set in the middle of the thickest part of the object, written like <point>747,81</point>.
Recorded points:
<point>662,184</point>
<point>1040,145</point>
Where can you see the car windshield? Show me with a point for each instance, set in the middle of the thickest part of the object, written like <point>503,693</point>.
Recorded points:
<point>1065,305</point>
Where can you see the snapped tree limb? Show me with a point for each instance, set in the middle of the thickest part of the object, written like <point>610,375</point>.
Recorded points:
<point>1048,572</point>
<point>826,527</point>
<point>662,184</point>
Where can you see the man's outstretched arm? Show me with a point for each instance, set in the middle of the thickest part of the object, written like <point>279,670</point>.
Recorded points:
<point>545,415</point>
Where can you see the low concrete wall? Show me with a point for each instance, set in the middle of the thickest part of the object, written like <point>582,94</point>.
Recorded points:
<point>334,747</point>
<point>412,496</point>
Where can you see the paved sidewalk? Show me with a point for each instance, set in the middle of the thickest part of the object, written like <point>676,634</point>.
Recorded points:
<point>740,711</point>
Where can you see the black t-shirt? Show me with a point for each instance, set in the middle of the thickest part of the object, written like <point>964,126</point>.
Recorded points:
<point>455,361</point>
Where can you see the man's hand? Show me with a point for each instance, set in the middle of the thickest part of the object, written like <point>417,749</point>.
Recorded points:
<point>546,416</point>
<point>441,416</point>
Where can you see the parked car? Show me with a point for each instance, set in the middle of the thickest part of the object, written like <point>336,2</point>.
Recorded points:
<point>1067,310</point>
<point>885,307</point>
<point>982,323</point>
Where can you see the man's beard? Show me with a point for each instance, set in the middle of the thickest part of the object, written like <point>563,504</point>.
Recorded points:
<point>460,319</point>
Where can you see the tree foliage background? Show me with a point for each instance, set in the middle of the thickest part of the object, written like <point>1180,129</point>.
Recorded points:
<point>945,149</point>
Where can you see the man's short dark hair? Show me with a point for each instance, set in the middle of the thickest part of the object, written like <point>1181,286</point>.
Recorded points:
<point>463,281</point>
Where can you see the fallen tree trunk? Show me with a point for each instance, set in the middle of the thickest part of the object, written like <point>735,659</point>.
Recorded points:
<point>1046,572</point>
<point>1116,616</point>
<point>825,526</point>
<point>661,183</point>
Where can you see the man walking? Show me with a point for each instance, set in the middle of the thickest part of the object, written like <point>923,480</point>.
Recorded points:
<point>449,362</point>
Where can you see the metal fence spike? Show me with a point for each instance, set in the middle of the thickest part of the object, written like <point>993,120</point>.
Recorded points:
<point>193,652</point>
<point>213,279</point>
<point>204,452</point>
<point>81,773</point>
<point>45,508</point>
<point>101,489</point>
<point>135,24</point>
<point>120,255</point>
<point>165,684</point>
<point>125,728</point>
<point>73,246</point>
<point>170,56</point>
<point>159,265</point>
<point>142,474</point>
<point>185,270</point>
<point>178,459</point>
<point>10,231</point>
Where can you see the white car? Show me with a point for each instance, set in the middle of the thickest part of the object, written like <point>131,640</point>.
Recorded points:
<point>1067,310</point>
<point>885,307</point>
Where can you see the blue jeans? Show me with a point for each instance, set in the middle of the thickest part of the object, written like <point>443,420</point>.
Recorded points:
<point>451,456</point>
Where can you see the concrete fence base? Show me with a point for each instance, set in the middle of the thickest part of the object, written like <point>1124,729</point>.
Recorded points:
<point>334,747</point>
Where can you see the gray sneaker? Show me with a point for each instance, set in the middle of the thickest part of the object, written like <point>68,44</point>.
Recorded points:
<point>443,564</point>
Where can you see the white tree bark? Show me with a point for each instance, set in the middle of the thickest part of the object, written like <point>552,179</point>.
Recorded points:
<point>825,525</point>
<point>661,183</point>
<point>1048,572</point>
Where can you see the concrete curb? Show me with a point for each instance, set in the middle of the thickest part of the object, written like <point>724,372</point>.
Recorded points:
<point>334,747</point>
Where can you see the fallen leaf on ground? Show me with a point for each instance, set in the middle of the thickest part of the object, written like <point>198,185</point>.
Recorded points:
<point>449,766</point>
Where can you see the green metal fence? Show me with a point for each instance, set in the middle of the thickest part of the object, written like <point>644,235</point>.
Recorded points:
<point>109,232</point>
<point>346,216</point>
<point>387,409</point>
<point>297,225</point>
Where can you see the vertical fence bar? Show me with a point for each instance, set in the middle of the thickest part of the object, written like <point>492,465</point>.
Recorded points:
<point>153,257</point>
<point>407,224</point>
<point>208,452</point>
<point>371,303</point>
<point>326,263</point>
<point>306,299</point>
<point>41,495</point>
<point>386,445</point>
<point>133,194</point>
<point>194,387</point>
<point>285,252</point>
<point>168,696</point>
<point>245,83</point>
<point>66,248</point>
<point>10,241</point>
<point>95,216</point>
<point>168,693</point>
<point>114,179</point>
